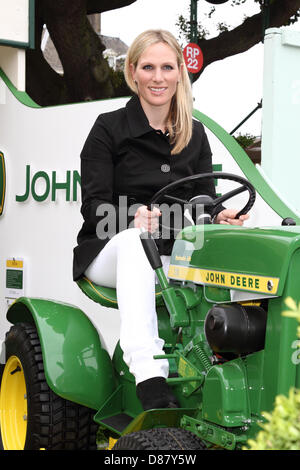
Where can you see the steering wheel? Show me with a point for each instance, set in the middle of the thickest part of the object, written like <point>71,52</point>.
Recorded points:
<point>208,201</point>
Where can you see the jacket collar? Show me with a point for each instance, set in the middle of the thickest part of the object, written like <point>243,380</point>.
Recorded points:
<point>137,119</point>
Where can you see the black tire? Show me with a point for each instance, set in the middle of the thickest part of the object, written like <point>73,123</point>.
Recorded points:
<point>160,439</point>
<point>53,423</point>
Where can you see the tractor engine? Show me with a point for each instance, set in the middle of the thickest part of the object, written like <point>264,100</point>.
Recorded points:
<point>234,328</point>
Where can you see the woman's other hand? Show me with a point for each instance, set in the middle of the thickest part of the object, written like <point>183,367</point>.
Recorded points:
<point>227,216</point>
<point>146,219</point>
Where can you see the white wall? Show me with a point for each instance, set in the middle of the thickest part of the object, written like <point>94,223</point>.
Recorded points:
<point>14,20</point>
<point>12,62</point>
<point>44,233</point>
<point>281,112</point>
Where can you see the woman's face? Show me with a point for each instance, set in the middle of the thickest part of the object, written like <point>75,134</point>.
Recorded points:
<point>156,74</point>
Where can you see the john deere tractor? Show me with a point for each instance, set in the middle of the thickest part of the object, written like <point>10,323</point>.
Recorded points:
<point>229,347</point>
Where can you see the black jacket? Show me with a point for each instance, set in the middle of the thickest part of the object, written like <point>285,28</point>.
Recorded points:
<point>124,156</point>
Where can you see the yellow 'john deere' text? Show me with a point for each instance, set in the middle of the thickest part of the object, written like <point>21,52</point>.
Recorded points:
<point>249,282</point>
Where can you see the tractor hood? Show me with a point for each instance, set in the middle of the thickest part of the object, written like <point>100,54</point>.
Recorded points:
<point>255,260</point>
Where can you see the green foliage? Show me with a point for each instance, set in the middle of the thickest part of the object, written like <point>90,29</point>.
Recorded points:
<point>118,82</point>
<point>102,438</point>
<point>222,27</point>
<point>281,431</point>
<point>183,26</point>
<point>245,140</point>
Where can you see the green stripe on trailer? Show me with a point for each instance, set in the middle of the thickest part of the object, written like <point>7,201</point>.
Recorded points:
<point>21,96</point>
<point>2,182</point>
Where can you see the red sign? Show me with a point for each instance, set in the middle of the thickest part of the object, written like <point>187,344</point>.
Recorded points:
<point>193,57</point>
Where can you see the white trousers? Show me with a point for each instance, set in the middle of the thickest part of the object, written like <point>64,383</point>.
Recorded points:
<point>123,264</point>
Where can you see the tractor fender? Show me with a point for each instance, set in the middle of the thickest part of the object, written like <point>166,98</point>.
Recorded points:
<point>76,365</point>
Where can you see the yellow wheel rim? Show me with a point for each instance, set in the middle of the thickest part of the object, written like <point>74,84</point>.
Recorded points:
<point>111,443</point>
<point>13,405</point>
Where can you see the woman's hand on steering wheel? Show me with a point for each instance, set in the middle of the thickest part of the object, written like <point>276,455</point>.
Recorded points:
<point>227,217</point>
<point>146,219</point>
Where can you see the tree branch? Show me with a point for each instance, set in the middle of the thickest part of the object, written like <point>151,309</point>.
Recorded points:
<point>86,72</point>
<point>100,6</point>
<point>246,35</point>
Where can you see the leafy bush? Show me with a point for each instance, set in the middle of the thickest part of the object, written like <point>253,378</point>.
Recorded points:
<point>281,431</point>
<point>245,140</point>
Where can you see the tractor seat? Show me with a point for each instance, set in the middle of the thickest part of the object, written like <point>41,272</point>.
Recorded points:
<point>107,296</point>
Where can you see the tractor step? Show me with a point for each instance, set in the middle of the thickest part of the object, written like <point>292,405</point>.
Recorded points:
<point>117,422</point>
<point>112,415</point>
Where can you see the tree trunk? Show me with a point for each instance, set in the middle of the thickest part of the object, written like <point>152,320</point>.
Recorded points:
<point>80,50</point>
<point>43,84</point>
<point>86,73</point>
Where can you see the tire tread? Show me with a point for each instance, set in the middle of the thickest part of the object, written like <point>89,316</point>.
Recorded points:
<point>53,422</point>
<point>160,439</point>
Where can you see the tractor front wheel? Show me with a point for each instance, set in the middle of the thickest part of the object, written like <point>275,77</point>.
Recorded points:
<point>160,439</point>
<point>32,416</point>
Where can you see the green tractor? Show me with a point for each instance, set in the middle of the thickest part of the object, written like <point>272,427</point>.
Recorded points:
<point>229,348</point>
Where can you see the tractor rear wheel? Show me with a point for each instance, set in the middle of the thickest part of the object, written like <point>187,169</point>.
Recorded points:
<point>32,416</point>
<point>160,439</point>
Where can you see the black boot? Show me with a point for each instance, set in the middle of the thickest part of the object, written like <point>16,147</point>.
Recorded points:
<point>155,393</point>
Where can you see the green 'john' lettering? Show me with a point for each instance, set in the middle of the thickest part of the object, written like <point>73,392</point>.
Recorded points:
<point>65,186</point>
<point>49,185</point>
<point>40,175</point>
<point>27,186</point>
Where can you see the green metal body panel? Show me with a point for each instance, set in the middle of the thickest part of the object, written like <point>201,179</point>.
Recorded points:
<point>221,401</point>
<point>219,406</point>
<point>107,296</point>
<point>280,371</point>
<point>77,367</point>
<point>233,394</point>
<point>263,252</point>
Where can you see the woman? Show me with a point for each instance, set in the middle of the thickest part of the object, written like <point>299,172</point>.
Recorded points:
<point>134,152</point>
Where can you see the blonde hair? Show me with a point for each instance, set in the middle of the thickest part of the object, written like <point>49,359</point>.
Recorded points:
<point>179,121</point>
